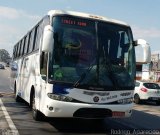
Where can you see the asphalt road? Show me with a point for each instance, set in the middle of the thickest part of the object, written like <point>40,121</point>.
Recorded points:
<point>145,119</point>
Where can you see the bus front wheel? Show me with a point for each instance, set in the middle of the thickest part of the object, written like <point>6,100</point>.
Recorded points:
<point>35,113</point>
<point>17,97</point>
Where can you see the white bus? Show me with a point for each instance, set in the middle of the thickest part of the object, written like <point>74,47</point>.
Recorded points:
<point>74,64</point>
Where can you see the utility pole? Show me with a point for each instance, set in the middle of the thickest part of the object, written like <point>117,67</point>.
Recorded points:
<point>157,76</point>
<point>156,68</point>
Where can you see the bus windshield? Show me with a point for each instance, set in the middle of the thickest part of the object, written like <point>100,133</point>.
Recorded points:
<point>92,53</point>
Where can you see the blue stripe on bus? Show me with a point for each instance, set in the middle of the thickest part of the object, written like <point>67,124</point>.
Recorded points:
<point>59,89</point>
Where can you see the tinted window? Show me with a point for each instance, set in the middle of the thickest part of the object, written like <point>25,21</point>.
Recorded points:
<point>38,37</point>
<point>39,32</point>
<point>15,52</point>
<point>22,46</point>
<point>31,41</point>
<point>18,49</point>
<point>34,38</point>
<point>28,42</point>
<point>151,85</point>
<point>76,48</point>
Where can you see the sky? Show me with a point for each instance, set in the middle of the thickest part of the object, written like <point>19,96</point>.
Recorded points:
<point>17,17</point>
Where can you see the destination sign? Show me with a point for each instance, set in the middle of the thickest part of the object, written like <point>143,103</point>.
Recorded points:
<point>74,22</point>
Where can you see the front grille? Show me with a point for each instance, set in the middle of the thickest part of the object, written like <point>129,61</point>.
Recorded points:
<point>93,113</point>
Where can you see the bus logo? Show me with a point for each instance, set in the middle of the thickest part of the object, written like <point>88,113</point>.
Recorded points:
<point>96,99</point>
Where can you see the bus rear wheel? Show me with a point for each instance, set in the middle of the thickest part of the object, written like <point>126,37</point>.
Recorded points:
<point>35,113</point>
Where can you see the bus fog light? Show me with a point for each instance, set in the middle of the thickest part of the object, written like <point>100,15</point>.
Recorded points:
<point>59,97</point>
<point>125,101</point>
<point>50,108</point>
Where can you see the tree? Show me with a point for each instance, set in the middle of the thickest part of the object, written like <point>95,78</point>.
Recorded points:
<point>4,56</point>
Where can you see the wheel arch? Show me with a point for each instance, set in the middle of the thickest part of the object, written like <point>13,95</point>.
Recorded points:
<point>33,92</point>
<point>15,87</point>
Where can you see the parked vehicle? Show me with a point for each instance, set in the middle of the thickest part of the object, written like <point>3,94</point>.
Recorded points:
<point>7,64</point>
<point>146,91</point>
<point>2,66</point>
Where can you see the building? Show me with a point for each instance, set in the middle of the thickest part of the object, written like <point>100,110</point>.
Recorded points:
<point>150,71</point>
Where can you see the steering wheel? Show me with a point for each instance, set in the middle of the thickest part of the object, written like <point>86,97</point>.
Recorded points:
<point>73,46</point>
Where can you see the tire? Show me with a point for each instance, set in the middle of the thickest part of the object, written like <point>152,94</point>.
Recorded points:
<point>158,102</point>
<point>37,115</point>
<point>17,98</point>
<point>137,99</point>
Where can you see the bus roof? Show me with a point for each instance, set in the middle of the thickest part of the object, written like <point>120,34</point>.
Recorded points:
<point>85,15</point>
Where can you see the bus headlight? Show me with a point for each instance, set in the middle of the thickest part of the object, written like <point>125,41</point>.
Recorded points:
<point>59,97</point>
<point>125,101</point>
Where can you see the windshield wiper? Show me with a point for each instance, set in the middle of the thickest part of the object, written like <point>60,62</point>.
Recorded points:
<point>83,75</point>
<point>79,80</point>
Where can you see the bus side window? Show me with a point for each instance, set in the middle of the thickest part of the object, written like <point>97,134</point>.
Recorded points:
<point>18,49</point>
<point>39,31</point>
<point>31,41</point>
<point>22,47</point>
<point>26,44</point>
<point>14,52</point>
<point>34,38</point>
<point>38,36</point>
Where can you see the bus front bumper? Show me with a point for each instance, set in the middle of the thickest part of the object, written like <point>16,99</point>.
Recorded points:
<point>55,108</point>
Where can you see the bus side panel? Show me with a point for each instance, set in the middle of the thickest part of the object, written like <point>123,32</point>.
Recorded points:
<point>31,76</point>
<point>37,80</point>
<point>18,77</point>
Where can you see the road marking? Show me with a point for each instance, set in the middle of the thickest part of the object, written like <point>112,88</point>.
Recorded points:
<point>9,120</point>
<point>6,94</point>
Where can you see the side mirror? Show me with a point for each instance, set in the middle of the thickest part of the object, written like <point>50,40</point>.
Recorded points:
<point>143,52</point>
<point>48,39</point>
